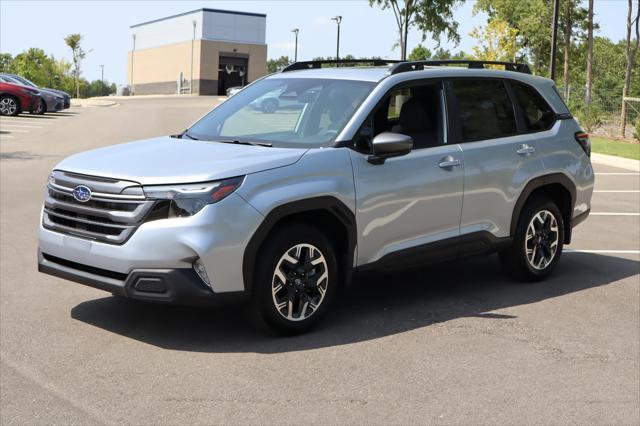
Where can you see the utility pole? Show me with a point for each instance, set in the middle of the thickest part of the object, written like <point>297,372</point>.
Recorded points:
<point>296,31</point>
<point>338,20</point>
<point>102,79</point>
<point>554,47</point>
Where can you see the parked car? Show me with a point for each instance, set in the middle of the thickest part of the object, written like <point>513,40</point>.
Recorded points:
<point>384,167</point>
<point>15,99</point>
<point>49,101</point>
<point>66,99</point>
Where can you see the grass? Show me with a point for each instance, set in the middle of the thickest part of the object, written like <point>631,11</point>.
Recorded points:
<point>613,147</point>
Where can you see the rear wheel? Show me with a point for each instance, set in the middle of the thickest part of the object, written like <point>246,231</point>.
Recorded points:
<point>9,105</point>
<point>538,241</point>
<point>296,278</point>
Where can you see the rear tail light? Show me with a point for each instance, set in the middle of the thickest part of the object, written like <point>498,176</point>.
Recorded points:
<point>583,139</point>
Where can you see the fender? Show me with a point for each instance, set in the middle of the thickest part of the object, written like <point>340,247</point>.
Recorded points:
<point>327,204</point>
<point>532,185</point>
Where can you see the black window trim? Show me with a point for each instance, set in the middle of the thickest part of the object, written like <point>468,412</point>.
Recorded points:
<point>447,137</point>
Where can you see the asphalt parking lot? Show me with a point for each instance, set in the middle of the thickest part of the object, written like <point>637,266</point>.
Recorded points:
<point>452,344</point>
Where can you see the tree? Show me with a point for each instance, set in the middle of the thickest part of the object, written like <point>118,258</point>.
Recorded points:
<point>35,65</point>
<point>497,41</point>
<point>571,18</point>
<point>429,16</point>
<point>419,53</point>
<point>6,61</point>
<point>630,59</point>
<point>275,65</point>
<point>73,41</point>
<point>589,82</point>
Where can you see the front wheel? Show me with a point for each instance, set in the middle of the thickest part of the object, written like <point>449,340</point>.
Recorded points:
<point>9,105</point>
<point>41,108</point>
<point>296,278</point>
<point>538,241</point>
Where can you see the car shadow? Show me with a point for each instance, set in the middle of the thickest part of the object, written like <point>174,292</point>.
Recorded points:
<point>39,117</point>
<point>377,305</point>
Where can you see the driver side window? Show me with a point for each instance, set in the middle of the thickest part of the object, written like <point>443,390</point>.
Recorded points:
<point>413,110</point>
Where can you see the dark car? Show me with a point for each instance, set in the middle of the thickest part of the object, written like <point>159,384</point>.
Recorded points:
<point>15,99</point>
<point>66,98</point>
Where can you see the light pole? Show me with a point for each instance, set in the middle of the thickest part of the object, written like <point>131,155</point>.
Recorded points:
<point>133,50</point>
<point>101,80</point>
<point>338,20</point>
<point>296,31</point>
<point>554,29</point>
<point>191,70</point>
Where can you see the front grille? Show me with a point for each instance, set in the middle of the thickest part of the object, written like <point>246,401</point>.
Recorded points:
<point>114,212</point>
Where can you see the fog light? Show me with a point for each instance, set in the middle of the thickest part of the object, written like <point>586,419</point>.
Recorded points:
<point>198,266</point>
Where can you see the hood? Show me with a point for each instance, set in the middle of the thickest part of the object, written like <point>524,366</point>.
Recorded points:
<point>167,160</point>
<point>57,92</point>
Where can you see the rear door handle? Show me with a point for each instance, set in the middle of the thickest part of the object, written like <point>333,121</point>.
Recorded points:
<point>448,162</point>
<point>525,150</point>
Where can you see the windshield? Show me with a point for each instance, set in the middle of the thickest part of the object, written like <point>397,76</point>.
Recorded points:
<point>21,80</point>
<point>285,112</point>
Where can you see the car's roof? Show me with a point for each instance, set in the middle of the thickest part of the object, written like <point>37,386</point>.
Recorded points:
<point>376,74</point>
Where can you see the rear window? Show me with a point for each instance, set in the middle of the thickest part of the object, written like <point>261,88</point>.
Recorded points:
<point>538,115</point>
<point>485,109</point>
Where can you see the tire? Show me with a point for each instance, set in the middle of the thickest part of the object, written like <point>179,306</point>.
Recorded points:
<point>284,288</point>
<point>42,108</point>
<point>269,106</point>
<point>9,105</point>
<point>538,241</point>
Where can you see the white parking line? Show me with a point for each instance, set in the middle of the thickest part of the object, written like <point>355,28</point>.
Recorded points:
<point>618,174</point>
<point>3,136</point>
<point>602,251</point>
<point>618,190</point>
<point>3,125</point>
<point>615,214</point>
<point>41,122</point>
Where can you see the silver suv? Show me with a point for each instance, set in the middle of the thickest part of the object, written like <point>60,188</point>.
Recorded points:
<point>391,165</point>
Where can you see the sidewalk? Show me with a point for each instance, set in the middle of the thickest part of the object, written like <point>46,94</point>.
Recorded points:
<point>613,161</point>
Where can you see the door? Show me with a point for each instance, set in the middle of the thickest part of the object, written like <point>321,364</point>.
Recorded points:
<point>499,157</point>
<point>408,202</point>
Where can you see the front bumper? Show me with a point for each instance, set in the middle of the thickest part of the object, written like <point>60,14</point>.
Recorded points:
<point>178,286</point>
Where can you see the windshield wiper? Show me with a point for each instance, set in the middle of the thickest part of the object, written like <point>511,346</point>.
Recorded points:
<point>187,135</point>
<point>239,142</point>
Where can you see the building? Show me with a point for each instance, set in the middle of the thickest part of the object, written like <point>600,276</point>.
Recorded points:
<point>204,52</point>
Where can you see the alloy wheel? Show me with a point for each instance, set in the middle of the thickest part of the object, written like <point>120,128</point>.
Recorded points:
<point>541,241</point>
<point>299,282</point>
<point>8,106</point>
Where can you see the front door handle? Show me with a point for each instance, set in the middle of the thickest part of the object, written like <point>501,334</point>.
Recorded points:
<point>448,161</point>
<point>525,149</point>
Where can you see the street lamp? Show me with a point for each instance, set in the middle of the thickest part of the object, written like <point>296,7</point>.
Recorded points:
<point>338,20</point>
<point>296,31</point>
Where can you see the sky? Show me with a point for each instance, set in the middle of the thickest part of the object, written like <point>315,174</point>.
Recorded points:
<point>104,25</point>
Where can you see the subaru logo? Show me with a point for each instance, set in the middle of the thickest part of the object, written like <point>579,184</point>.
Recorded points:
<point>82,193</point>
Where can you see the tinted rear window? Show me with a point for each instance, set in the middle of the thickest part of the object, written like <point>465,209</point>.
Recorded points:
<point>538,115</point>
<point>485,109</point>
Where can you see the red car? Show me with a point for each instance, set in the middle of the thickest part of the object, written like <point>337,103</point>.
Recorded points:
<point>15,99</point>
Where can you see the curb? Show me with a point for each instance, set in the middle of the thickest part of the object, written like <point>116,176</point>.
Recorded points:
<point>613,161</point>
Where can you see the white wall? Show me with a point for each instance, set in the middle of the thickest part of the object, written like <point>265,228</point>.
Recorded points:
<point>209,26</point>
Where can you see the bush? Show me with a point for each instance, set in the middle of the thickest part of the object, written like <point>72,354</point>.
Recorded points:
<point>589,117</point>
<point>636,132</point>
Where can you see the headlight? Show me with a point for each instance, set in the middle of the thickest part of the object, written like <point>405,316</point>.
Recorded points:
<point>182,200</point>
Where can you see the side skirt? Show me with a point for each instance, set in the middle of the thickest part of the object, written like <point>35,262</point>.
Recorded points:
<point>476,243</point>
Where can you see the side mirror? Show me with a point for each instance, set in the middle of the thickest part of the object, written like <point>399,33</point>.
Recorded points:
<point>387,145</point>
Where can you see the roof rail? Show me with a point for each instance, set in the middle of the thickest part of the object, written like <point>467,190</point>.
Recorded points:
<point>476,64</point>
<point>305,65</point>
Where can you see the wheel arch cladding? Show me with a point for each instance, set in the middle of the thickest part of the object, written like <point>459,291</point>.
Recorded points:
<point>559,189</point>
<point>326,213</point>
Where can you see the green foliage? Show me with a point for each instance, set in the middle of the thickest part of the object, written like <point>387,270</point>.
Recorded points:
<point>590,117</point>
<point>419,53</point>
<point>73,41</point>
<point>275,65</point>
<point>636,131</point>
<point>5,62</point>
